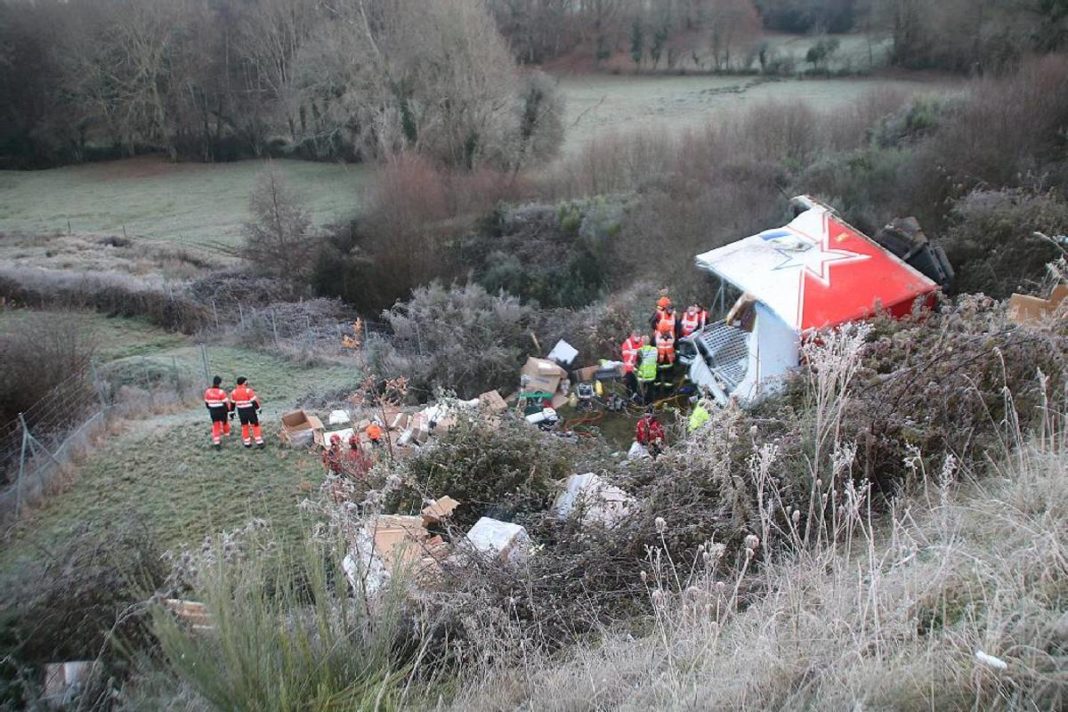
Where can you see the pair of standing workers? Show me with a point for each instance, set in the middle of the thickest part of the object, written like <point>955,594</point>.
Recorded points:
<point>222,406</point>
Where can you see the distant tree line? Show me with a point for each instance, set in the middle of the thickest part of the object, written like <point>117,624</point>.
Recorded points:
<point>958,35</point>
<point>221,79</point>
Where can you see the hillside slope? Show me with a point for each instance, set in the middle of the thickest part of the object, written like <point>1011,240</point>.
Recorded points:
<point>920,613</point>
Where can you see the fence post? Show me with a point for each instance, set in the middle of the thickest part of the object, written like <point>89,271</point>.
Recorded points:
<point>22,466</point>
<point>274,327</point>
<point>204,359</point>
<point>177,380</point>
<point>97,387</point>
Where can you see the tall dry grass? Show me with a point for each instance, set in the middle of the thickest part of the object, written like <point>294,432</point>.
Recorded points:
<point>952,599</point>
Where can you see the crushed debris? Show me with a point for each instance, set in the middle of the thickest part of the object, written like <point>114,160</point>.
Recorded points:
<point>63,681</point>
<point>507,542</point>
<point>598,501</point>
<point>338,417</point>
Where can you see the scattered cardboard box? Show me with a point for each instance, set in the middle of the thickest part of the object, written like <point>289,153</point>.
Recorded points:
<point>338,417</point>
<point>493,402</point>
<point>191,613</point>
<point>63,681</point>
<point>541,375</point>
<point>563,353</point>
<point>601,502</point>
<point>299,428</point>
<point>1026,309</point>
<point>442,508</point>
<point>507,542</point>
<point>389,544</point>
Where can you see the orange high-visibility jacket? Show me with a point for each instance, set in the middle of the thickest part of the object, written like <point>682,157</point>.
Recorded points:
<point>630,354</point>
<point>691,323</point>
<point>244,397</point>
<point>665,347</point>
<point>374,432</point>
<point>216,398</point>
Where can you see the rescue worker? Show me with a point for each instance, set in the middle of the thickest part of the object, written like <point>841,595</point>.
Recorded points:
<point>662,305</point>
<point>630,350</point>
<point>357,462</point>
<point>374,433</point>
<point>647,371</point>
<point>665,358</point>
<point>699,415</point>
<point>667,322</point>
<point>694,319</point>
<point>247,404</point>
<point>218,404</point>
<point>649,433</point>
<point>332,455</point>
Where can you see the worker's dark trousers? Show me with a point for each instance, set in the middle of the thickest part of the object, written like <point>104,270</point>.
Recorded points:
<point>631,382</point>
<point>665,379</point>
<point>645,391</point>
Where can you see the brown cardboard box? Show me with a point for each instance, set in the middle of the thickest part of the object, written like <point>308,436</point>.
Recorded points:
<point>585,375</point>
<point>434,513</point>
<point>299,428</point>
<point>541,375</point>
<point>492,401</point>
<point>1026,309</point>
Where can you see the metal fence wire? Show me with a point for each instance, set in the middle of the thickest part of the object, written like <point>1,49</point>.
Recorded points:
<point>36,447</point>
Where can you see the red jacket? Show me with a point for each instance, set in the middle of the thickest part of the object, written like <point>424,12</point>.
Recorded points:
<point>649,430</point>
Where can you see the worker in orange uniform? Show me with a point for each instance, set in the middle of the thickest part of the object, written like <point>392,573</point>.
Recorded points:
<point>694,319</point>
<point>630,350</point>
<point>650,433</point>
<point>662,306</point>
<point>218,404</point>
<point>374,433</point>
<point>667,322</point>
<point>247,404</point>
<point>665,357</point>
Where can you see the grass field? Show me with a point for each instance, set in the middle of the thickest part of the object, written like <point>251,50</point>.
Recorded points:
<point>601,104</point>
<point>161,471</point>
<point>186,203</point>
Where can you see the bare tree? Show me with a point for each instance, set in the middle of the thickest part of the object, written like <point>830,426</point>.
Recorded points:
<point>279,239</point>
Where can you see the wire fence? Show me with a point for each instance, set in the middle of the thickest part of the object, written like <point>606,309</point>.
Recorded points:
<point>38,446</point>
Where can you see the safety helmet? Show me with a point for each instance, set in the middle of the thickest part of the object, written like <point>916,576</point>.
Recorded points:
<point>663,302</point>
<point>354,441</point>
<point>335,439</point>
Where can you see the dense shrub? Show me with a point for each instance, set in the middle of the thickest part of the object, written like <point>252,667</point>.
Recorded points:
<point>461,339</point>
<point>407,235</point>
<point>39,352</point>
<point>505,470</point>
<point>992,244</point>
<point>83,603</point>
<point>554,256</point>
<point>114,294</point>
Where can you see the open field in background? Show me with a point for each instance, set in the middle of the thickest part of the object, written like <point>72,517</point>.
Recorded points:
<point>600,104</point>
<point>192,204</point>
<point>856,52</point>
<point>195,205</point>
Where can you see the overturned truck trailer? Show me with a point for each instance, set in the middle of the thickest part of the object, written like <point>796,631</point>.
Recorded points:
<point>815,272</point>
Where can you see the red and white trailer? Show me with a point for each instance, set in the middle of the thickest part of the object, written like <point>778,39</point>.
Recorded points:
<point>813,273</point>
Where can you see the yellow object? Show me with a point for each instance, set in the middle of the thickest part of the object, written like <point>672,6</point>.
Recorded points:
<point>572,400</point>
<point>598,389</point>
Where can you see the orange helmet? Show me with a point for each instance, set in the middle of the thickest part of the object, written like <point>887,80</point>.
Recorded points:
<point>335,439</point>
<point>663,302</point>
